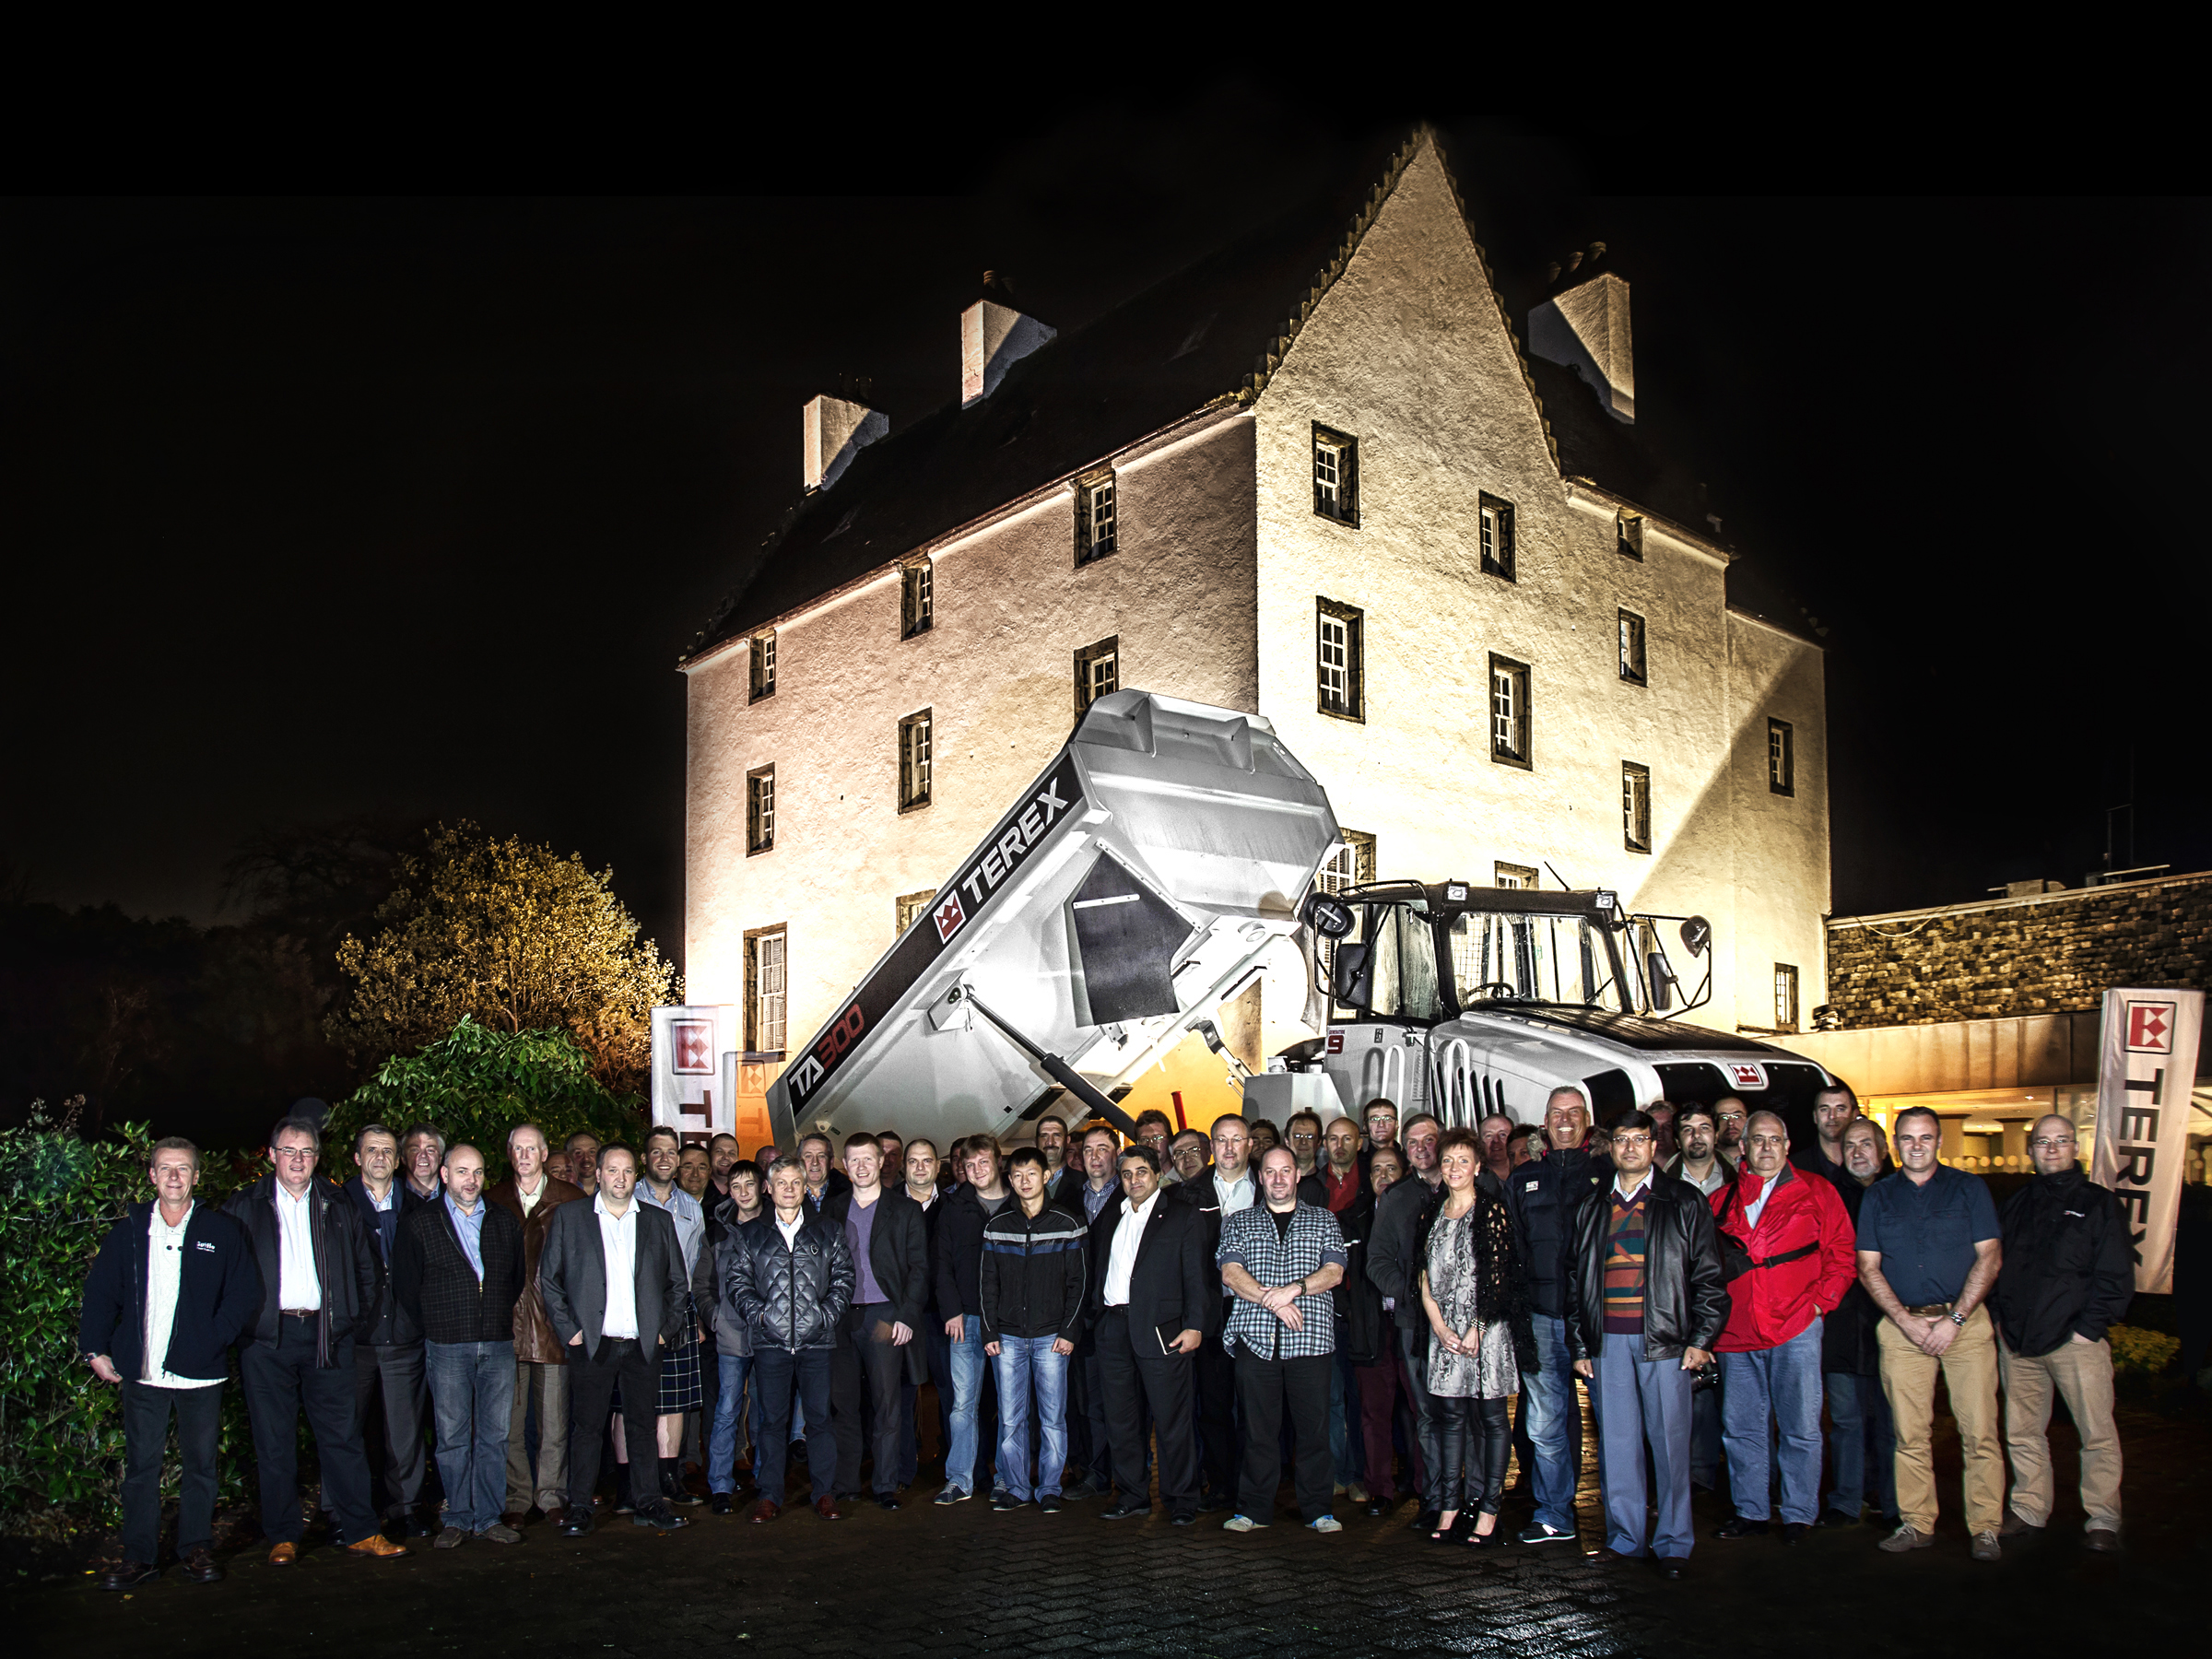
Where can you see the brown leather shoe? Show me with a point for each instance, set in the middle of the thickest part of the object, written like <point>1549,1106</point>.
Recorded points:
<point>377,1546</point>
<point>515,1518</point>
<point>826,1509</point>
<point>553,1516</point>
<point>284,1555</point>
<point>198,1567</point>
<point>2102,1539</point>
<point>768,1509</point>
<point>127,1575</point>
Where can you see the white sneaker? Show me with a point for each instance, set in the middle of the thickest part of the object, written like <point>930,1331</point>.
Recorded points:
<point>1327,1523</point>
<point>1241,1523</point>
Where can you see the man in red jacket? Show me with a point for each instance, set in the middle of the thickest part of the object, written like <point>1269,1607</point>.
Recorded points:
<point>1787,1242</point>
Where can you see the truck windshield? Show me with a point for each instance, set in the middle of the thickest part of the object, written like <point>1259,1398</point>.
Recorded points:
<point>1489,959</point>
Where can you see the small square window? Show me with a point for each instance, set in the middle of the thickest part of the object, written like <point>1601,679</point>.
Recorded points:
<point>1636,807</point>
<point>1098,672</point>
<point>1518,877</point>
<point>917,599</point>
<point>1628,534</point>
<point>910,908</point>
<point>1335,475</point>
<point>1631,649</point>
<point>1511,730</point>
<point>1497,537</point>
<point>1349,867</point>
<point>1782,758</point>
<point>760,810</point>
<point>1785,997</point>
<point>766,982</point>
<point>1339,651</point>
<point>1095,517</point>
<point>914,765</point>
<point>764,667</point>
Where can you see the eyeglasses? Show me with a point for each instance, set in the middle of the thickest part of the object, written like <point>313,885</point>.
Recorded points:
<point>1637,1139</point>
<point>2052,1142</point>
<point>293,1154</point>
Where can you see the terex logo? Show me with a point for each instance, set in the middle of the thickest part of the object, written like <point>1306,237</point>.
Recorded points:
<point>999,859</point>
<point>950,916</point>
<point>2150,1027</point>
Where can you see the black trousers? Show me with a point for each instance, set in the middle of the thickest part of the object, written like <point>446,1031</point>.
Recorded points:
<point>1475,1439</point>
<point>621,1363</point>
<point>393,1377</point>
<point>1217,1443</point>
<point>1268,1391</point>
<point>281,1380</point>
<point>776,1374</point>
<point>1132,1380</point>
<point>145,1412</point>
<point>865,1373</point>
<point>1413,1348</point>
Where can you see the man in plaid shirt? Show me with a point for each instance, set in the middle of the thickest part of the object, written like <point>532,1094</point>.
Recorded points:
<point>1279,1261</point>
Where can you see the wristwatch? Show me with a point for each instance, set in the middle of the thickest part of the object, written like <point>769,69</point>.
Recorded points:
<point>1959,1319</point>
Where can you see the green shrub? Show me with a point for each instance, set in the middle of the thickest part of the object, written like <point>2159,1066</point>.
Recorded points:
<point>2146,1352</point>
<point>476,1084</point>
<point>61,1428</point>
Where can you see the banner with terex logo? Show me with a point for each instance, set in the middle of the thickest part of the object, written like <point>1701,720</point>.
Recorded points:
<point>2143,1087</point>
<point>960,905</point>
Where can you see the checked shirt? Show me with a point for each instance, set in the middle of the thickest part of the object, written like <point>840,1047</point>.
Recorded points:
<point>1251,1239</point>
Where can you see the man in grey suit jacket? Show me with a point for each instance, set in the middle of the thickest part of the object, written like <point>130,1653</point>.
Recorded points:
<point>613,1280</point>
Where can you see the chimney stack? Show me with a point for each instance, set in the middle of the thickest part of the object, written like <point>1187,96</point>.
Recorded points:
<point>834,431</point>
<point>1584,327</point>
<point>994,337</point>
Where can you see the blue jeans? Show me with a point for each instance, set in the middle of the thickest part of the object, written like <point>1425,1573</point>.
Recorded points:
<point>1783,1382</point>
<point>732,1371</point>
<point>1642,1402</point>
<point>965,1360</point>
<point>1864,1444</point>
<point>472,1392</point>
<point>1550,1393</point>
<point>1023,1361</point>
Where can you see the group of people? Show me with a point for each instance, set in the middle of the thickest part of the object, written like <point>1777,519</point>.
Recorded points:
<point>1196,1308</point>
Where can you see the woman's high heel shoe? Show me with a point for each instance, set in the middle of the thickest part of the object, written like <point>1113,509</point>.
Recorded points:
<point>1446,1531</point>
<point>1489,1540</point>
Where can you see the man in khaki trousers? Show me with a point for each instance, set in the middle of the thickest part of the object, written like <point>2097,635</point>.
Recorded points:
<point>1928,1255</point>
<point>2069,1274</point>
<point>541,1376</point>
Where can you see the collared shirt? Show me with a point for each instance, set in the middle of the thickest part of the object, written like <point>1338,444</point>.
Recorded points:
<point>790,1230</point>
<point>1235,1194</point>
<point>1627,1195</point>
<point>685,1211</point>
<point>1715,1179</point>
<point>1926,1232</point>
<point>619,1243</point>
<point>1094,1198</point>
<point>1120,1256</point>
<point>529,1201</point>
<point>928,1202</point>
<point>164,1277</point>
<point>387,1232</point>
<point>1340,1189</point>
<point>1758,1207</point>
<point>469,1227</point>
<point>297,1285</point>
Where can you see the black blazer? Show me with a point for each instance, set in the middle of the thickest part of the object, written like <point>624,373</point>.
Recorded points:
<point>219,1291</point>
<point>897,1251</point>
<point>438,1291</point>
<point>571,1275</point>
<point>1175,1282</point>
<point>387,1325</point>
<point>345,1262</point>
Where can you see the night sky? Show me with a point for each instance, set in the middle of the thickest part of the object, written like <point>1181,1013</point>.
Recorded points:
<point>322,509</point>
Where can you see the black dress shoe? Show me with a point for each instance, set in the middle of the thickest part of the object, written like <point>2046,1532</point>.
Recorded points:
<point>1183,1517</point>
<point>1213,1503</point>
<point>1425,1522</point>
<point>1793,1532</point>
<point>719,1503</point>
<point>1122,1509</point>
<point>1836,1517</point>
<point>419,1523</point>
<point>577,1524</point>
<point>127,1575</point>
<point>1735,1527</point>
<point>1671,1567</point>
<point>659,1515</point>
<point>1376,1507</point>
<point>887,1500</point>
<point>198,1567</point>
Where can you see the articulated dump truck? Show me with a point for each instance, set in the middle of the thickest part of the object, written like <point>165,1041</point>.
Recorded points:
<point>1136,884</point>
<point>1144,877</point>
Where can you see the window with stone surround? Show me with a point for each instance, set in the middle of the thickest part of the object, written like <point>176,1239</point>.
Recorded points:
<point>917,599</point>
<point>1096,518</point>
<point>915,747</point>
<point>1782,758</point>
<point>1628,534</point>
<point>1512,734</point>
<point>1631,649</point>
<point>760,810</point>
<point>766,978</point>
<point>1785,996</point>
<point>763,654</point>
<point>1335,475</point>
<point>1636,807</point>
<point>1339,667</point>
<point>1498,553</point>
<point>1098,672</point>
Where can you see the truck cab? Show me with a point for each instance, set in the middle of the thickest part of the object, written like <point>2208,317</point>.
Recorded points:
<point>1465,1000</point>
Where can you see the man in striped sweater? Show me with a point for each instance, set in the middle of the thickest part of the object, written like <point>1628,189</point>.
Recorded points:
<point>1646,1299</point>
<point>1031,1284</point>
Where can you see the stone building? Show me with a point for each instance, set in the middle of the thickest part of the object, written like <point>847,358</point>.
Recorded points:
<point>1315,476</point>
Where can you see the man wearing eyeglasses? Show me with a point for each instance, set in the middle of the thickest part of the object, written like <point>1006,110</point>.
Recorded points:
<point>318,1284</point>
<point>2069,1274</point>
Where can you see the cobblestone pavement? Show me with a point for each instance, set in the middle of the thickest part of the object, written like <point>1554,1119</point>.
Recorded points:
<point>964,1579</point>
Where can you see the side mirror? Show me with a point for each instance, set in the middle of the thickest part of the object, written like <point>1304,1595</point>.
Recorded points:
<point>1352,978</point>
<point>1660,976</point>
<point>1696,932</point>
<point>1327,916</point>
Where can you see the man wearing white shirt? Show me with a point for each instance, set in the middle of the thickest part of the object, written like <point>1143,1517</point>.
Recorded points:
<point>615,1290</point>
<point>172,1287</point>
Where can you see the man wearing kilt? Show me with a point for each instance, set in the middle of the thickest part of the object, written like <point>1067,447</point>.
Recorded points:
<point>683,1385</point>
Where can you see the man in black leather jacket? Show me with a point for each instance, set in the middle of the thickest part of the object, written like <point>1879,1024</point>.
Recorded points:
<point>791,1281</point>
<point>1646,1299</point>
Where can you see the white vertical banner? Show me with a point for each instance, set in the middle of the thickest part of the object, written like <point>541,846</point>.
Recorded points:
<point>2142,1102</point>
<point>688,1046</point>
